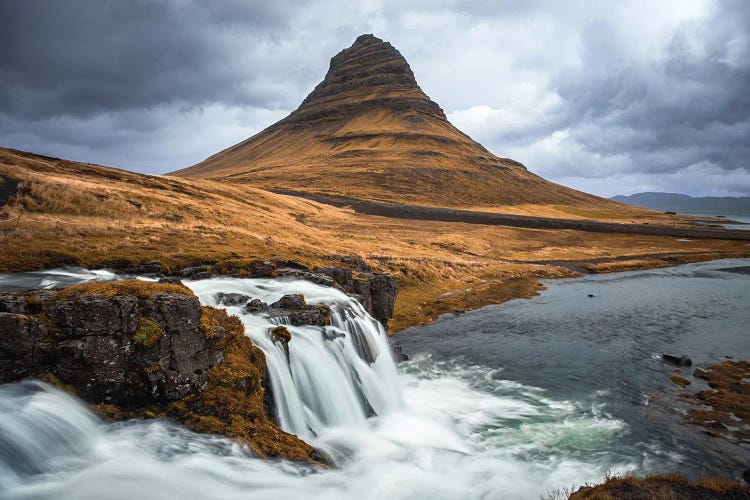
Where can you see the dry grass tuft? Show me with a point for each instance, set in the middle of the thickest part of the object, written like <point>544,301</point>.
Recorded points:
<point>662,487</point>
<point>135,288</point>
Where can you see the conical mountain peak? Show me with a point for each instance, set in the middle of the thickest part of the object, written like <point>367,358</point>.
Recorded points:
<point>373,71</point>
<point>367,131</point>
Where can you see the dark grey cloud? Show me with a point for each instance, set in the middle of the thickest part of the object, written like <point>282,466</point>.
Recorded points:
<point>611,97</point>
<point>86,57</point>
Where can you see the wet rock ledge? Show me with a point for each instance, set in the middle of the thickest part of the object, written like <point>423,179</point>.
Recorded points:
<point>376,292</point>
<point>138,349</point>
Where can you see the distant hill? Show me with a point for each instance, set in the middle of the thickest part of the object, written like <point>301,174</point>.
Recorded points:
<point>368,131</point>
<point>683,203</point>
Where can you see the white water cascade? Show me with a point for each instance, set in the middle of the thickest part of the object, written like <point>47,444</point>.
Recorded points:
<point>335,375</point>
<point>428,429</point>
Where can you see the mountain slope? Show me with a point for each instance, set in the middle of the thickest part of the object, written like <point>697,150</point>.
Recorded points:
<point>368,131</point>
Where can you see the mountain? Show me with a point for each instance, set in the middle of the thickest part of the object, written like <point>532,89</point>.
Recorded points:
<point>674,202</point>
<point>368,131</point>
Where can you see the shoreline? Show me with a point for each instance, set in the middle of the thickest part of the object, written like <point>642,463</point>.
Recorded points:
<point>526,285</point>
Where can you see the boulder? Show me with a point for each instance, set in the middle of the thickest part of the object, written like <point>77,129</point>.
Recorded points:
<point>255,306</point>
<point>319,315</point>
<point>376,292</point>
<point>398,354</point>
<point>232,299</point>
<point>196,272</point>
<point>681,360</point>
<point>294,301</point>
<point>383,291</point>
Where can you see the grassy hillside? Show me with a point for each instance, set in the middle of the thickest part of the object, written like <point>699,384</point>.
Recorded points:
<point>93,216</point>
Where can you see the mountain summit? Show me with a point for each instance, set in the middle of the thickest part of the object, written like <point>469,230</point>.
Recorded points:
<point>369,65</point>
<point>367,131</point>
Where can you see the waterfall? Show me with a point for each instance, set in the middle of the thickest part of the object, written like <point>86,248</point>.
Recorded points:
<point>41,428</point>
<point>334,375</point>
<point>439,429</point>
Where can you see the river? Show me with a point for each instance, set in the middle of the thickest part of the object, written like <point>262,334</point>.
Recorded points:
<point>519,400</point>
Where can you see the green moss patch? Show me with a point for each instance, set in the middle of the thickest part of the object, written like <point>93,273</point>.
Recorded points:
<point>148,332</point>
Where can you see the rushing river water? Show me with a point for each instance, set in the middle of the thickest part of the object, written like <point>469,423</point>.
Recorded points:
<point>510,401</point>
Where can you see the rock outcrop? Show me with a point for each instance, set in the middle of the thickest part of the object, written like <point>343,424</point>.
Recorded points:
<point>375,291</point>
<point>142,349</point>
<point>295,311</point>
<point>126,350</point>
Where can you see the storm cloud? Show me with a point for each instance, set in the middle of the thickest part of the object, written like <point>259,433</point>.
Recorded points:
<point>608,97</point>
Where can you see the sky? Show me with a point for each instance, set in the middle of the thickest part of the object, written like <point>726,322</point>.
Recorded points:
<point>609,97</point>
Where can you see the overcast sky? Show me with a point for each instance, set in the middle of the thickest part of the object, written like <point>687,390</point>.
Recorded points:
<point>609,97</point>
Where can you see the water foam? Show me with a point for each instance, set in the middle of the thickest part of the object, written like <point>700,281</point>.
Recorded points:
<point>430,429</point>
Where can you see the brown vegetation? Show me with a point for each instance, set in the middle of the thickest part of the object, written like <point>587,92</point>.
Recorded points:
<point>662,487</point>
<point>135,288</point>
<point>231,404</point>
<point>80,214</point>
<point>725,407</point>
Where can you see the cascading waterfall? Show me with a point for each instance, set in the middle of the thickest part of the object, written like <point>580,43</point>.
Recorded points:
<point>429,429</point>
<point>334,375</point>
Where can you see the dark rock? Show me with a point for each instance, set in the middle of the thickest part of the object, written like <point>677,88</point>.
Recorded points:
<point>677,360</point>
<point>340,275</point>
<point>262,269</point>
<point>288,264</point>
<point>362,346</point>
<point>196,272</point>
<point>255,306</point>
<point>376,292</point>
<point>19,336</point>
<point>293,301</point>
<point>700,373</point>
<point>94,315</point>
<point>173,280</point>
<point>359,264</point>
<point>398,354</point>
<point>263,272</point>
<point>8,188</point>
<point>111,349</point>
<point>152,268</point>
<point>311,315</point>
<point>383,291</point>
<point>23,303</point>
<point>232,299</point>
<point>746,476</point>
<point>591,295</point>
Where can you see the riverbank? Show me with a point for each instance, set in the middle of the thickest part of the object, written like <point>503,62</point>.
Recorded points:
<point>618,326</point>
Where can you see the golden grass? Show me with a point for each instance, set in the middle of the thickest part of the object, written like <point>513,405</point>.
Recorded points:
<point>135,288</point>
<point>725,408</point>
<point>661,487</point>
<point>80,214</point>
<point>379,153</point>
